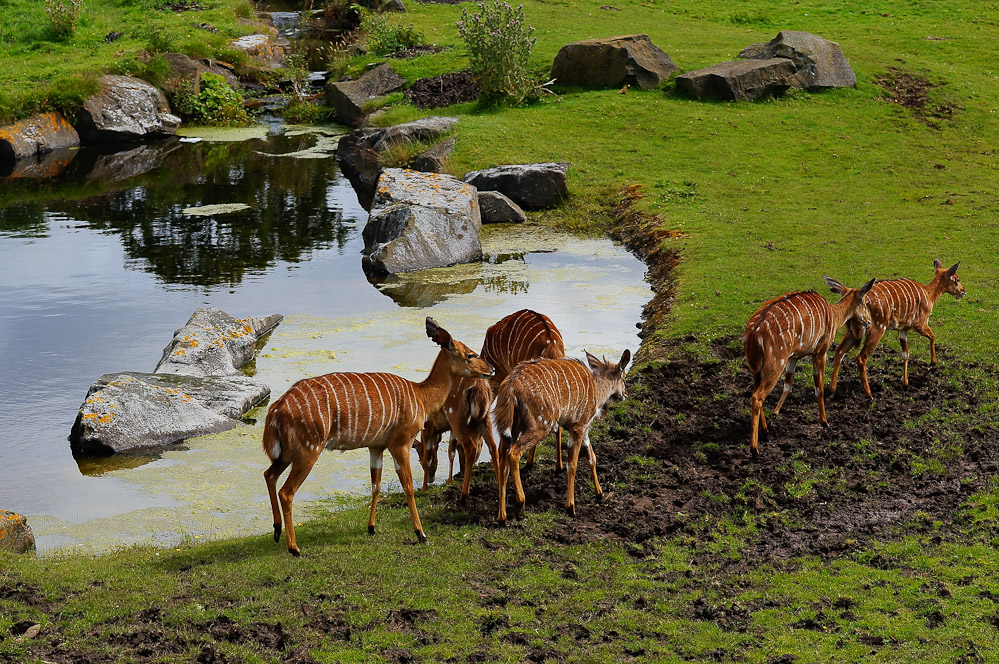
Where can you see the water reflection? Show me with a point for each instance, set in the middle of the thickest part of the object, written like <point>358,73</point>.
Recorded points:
<point>139,194</point>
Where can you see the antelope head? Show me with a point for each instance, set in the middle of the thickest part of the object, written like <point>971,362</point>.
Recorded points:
<point>860,314</point>
<point>951,282</point>
<point>463,360</point>
<point>603,370</point>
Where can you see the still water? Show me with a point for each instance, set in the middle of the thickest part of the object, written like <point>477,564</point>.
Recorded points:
<point>101,263</point>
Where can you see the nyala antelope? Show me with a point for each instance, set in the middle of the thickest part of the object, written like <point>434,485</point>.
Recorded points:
<point>542,393</point>
<point>903,305</point>
<point>347,411</point>
<point>788,328</point>
<point>521,336</point>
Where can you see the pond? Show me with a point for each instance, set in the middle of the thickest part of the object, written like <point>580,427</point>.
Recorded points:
<point>102,262</point>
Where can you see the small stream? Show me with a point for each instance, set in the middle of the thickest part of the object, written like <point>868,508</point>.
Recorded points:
<point>101,263</point>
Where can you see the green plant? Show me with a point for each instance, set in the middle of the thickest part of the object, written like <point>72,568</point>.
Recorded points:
<point>499,43</point>
<point>383,38</point>
<point>302,111</point>
<point>214,103</point>
<point>63,15</point>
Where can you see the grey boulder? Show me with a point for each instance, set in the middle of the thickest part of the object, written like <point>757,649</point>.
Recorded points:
<point>349,97</point>
<point>497,209</point>
<point>130,410</point>
<point>433,159</point>
<point>613,62</point>
<point>738,80</point>
<point>125,109</point>
<point>421,220</point>
<point>35,136</point>
<point>531,186</point>
<point>214,343</point>
<point>818,62</point>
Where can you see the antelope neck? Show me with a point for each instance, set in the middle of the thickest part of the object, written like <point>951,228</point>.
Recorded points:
<point>435,387</point>
<point>841,310</point>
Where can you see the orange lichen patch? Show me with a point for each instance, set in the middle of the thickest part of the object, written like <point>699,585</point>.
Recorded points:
<point>105,419</point>
<point>89,416</point>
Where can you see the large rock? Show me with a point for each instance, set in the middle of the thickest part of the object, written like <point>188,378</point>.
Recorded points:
<point>739,80</point>
<point>497,209</point>
<point>130,410</point>
<point>45,165</point>
<point>349,97</point>
<point>266,49</point>
<point>125,109</point>
<point>433,159</point>
<point>359,153</point>
<point>188,70</point>
<point>531,186</point>
<point>613,62</point>
<point>214,343</point>
<point>15,533</point>
<point>818,62</point>
<point>35,136</point>
<point>127,163</point>
<point>421,220</point>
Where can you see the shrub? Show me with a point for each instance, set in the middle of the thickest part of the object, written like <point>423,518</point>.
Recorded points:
<point>63,15</point>
<point>499,46</point>
<point>383,38</point>
<point>215,103</point>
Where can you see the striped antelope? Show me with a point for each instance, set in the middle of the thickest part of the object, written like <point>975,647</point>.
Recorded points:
<point>903,305</point>
<point>347,411</point>
<point>523,335</point>
<point>788,328</point>
<point>541,393</point>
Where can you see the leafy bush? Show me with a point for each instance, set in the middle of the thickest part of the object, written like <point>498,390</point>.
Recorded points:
<point>383,38</point>
<point>215,103</point>
<point>499,46</point>
<point>302,111</point>
<point>63,15</point>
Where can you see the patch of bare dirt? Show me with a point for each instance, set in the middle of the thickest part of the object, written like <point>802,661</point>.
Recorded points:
<point>912,92</point>
<point>415,51</point>
<point>444,90</point>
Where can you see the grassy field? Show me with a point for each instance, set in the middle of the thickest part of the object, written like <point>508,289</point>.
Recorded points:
<point>767,197</point>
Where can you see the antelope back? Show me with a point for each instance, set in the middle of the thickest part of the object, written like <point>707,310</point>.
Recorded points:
<point>521,336</point>
<point>792,324</point>
<point>545,392</point>
<point>897,302</point>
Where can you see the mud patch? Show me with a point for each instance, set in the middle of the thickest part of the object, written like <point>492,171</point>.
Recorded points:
<point>444,90</point>
<point>912,92</point>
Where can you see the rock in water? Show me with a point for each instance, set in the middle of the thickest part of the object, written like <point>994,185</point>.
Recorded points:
<point>214,343</point>
<point>35,136</point>
<point>130,410</point>
<point>125,109</point>
<point>613,62</point>
<point>419,221</point>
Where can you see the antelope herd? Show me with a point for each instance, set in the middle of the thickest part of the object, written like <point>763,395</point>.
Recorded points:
<point>522,387</point>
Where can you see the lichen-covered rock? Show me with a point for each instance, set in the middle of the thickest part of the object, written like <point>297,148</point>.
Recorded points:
<point>349,97</point>
<point>214,343</point>
<point>818,62</point>
<point>421,220</point>
<point>424,129</point>
<point>531,186</point>
<point>35,136</point>
<point>738,80</point>
<point>266,49</point>
<point>612,62</point>
<point>125,109</point>
<point>15,533</point>
<point>497,209</point>
<point>130,410</point>
<point>45,165</point>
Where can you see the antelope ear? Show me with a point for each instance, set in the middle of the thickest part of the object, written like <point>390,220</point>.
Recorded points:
<point>438,334</point>
<point>953,270</point>
<point>625,358</point>
<point>867,287</point>
<point>937,263</point>
<point>593,360</point>
<point>834,285</point>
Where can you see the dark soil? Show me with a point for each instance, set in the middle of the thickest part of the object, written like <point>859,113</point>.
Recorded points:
<point>415,51</point>
<point>681,452</point>
<point>913,93</point>
<point>444,90</point>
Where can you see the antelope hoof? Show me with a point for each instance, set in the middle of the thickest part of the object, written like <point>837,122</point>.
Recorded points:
<point>294,551</point>
<point>824,424</point>
<point>277,532</point>
<point>371,530</point>
<point>600,496</point>
<point>570,510</point>
<point>463,499</point>
<point>754,452</point>
<point>518,511</point>
<point>420,537</point>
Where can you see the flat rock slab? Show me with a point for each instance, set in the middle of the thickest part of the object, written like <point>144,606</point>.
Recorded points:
<point>35,136</point>
<point>818,62</point>
<point>531,186</point>
<point>15,533</point>
<point>613,62</point>
<point>421,220</point>
<point>498,209</point>
<point>349,97</point>
<point>131,410</point>
<point>424,129</point>
<point>125,109</point>
<point>214,343</point>
<point>738,80</point>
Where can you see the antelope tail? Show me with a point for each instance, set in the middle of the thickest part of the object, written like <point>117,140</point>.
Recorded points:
<point>504,410</point>
<point>273,434</point>
<point>753,345</point>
